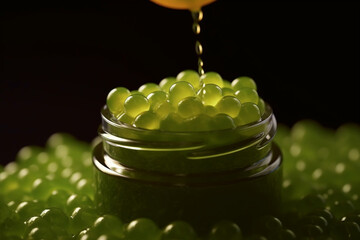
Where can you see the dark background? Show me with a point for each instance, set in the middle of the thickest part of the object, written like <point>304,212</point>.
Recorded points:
<point>60,61</point>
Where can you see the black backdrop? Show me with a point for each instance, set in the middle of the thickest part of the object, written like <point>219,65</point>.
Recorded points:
<point>60,61</point>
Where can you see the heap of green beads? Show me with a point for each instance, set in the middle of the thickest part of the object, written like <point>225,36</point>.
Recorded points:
<point>188,102</point>
<point>47,193</point>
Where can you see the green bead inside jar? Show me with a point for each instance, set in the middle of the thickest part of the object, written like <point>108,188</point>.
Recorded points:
<point>200,177</point>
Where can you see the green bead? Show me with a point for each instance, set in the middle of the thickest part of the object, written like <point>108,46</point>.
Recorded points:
<point>28,209</point>
<point>157,98</point>
<point>190,107</point>
<point>164,109</point>
<point>108,224</point>
<point>222,121</point>
<point>191,77</point>
<point>225,230</point>
<point>211,110</point>
<point>178,230</point>
<point>212,78</point>
<point>247,95</point>
<point>4,211</point>
<point>136,104</point>
<point>40,234</point>
<point>227,84</point>
<point>249,113</point>
<point>179,91</point>
<point>229,105</point>
<point>199,123</point>
<point>142,228</point>
<point>261,105</point>
<point>166,83</point>
<point>78,200</point>
<point>242,82</point>
<point>148,88</point>
<point>228,92</point>
<point>147,120</point>
<point>81,218</point>
<point>312,231</point>
<point>173,122</point>
<point>210,94</point>
<point>55,217</point>
<point>116,98</point>
<point>125,118</point>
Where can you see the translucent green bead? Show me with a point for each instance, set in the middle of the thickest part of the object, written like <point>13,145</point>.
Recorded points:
<point>133,92</point>
<point>147,120</point>
<point>247,95</point>
<point>35,222</point>
<point>211,110</point>
<point>148,88</point>
<point>198,123</point>
<point>77,200</point>
<point>227,84</point>
<point>190,107</point>
<point>55,217</point>
<point>4,211</point>
<point>212,78</point>
<point>164,109</point>
<point>81,218</point>
<point>173,122</point>
<point>210,94</point>
<point>156,98</point>
<point>116,98</point>
<point>249,113</point>
<point>313,231</point>
<point>222,121</point>
<point>108,224</point>
<point>41,233</point>
<point>142,228</point>
<point>58,199</point>
<point>243,82</point>
<point>179,91</point>
<point>225,230</point>
<point>125,118</point>
<point>191,77</point>
<point>261,105</point>
<point>166,83</point>
<point>28,209</point>
<point>229,105</point>
<point>136,104</point>
<point>228,92</point>
<point>178,230</point>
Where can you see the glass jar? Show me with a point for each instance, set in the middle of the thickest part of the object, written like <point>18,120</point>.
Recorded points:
<point>199,177</point>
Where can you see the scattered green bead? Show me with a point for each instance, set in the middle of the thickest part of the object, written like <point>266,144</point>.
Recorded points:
<point>142,228</point>
<point>136,104</point>
<point>147,120</point>
<point>210,94</point>
<point>190,107</point>
<point>229,105</point>
<point>179,91</point>
<point>225,230</point>
<point>227,84</point>
<point>191,77</point>
<point>166,83</point>
<point>249,113</point>
<point>148,88</point>
<point>116,98</point>
<point>108,224</point>
<point>247,95</point>
<point>212,78</point>
<point>178,230</point>
<point>243,82</point>
<point>81,218</point>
